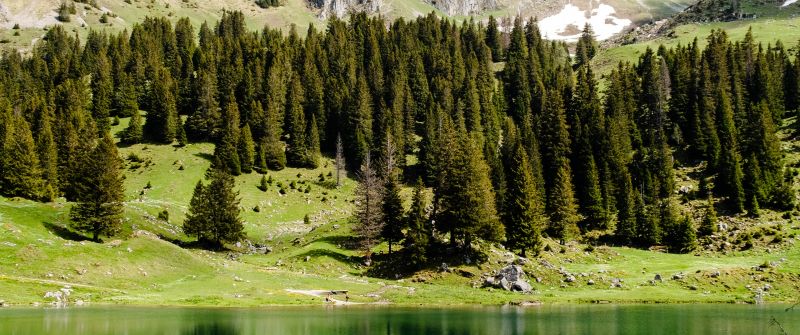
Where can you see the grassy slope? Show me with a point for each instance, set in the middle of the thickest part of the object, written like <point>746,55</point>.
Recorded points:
<point>773,25</point>
<point>37,254</point>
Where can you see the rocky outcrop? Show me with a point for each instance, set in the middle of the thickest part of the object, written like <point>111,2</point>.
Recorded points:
<point>463,7</point>
<point>340,8</point>
<point>509,278</point>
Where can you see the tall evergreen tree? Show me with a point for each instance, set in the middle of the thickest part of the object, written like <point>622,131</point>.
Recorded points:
<point>21,172</point>
<point>523,214</point>
<point>99,206</point>
<point>162,118</point>
<point>214,216</point>
<point>417,233</point>
<point>246,149</point>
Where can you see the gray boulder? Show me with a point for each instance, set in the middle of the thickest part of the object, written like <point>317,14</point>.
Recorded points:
<point>509,278</point>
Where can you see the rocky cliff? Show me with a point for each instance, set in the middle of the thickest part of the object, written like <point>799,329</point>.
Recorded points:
<point>463,7</point>
<point>340,8</point>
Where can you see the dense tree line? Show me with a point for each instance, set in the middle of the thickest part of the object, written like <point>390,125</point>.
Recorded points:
<point>513,134</point>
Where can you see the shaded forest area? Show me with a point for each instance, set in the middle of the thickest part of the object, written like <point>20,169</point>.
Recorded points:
<point>532,149</point>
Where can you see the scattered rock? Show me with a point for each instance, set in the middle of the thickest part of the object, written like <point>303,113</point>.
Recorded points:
<point>2,303</point>
<point>678,276</point>
<point>114,243</point>
<point>590,282</point>
<point>766,287</point>
<point>521,286</point>
<point>236,278</point>
<point>80,271</point>
<point>509,278</point>
<point>444,268</point>
<point>693,288</point>
<point>129,249</point>
<point>570,279</point>
<point>336,226</point>
<point>308,258</point>
<point>658,278</point>
<point>715,274</point>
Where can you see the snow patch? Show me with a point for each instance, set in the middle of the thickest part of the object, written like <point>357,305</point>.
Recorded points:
<point>788,2</point>
<point>568,24</point>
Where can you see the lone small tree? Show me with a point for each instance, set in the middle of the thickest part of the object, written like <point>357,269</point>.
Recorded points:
<point>214,214</point>
<point>99,202</point>
<point>339,160</point>
<point>368,208</point>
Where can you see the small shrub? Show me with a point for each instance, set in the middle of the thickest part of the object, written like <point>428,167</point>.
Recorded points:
<point>148,186</point>
<point>269,180</point>
<point>307,219</point>
<point>133,157</point>
<point>257,209</point>
<point>163,216</point>
<point>115,121</point>
<point>292,185</point>
<point>16,26</point>
<point>282,190</point>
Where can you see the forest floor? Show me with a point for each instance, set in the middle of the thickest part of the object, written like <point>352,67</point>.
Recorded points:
<point>153,263</point>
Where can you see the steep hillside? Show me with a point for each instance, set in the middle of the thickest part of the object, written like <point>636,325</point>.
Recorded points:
<point>562,17</point>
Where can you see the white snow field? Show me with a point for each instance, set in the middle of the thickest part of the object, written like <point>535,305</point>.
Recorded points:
<point>567,24</point>
<point>788,2</point>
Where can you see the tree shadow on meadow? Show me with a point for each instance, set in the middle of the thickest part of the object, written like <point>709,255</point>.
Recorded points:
<point>338,256</point>
<point>64,232</point>
<point>204,155</point>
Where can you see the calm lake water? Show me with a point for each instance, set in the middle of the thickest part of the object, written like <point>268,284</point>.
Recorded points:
<point>557,319</point>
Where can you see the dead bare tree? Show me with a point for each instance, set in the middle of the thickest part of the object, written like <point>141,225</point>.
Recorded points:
<point>339,160</point>
<point>368,208</point>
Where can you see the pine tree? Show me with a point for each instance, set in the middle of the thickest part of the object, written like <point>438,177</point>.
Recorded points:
<point>417,234</point>
<point>680,235</point>
<point>313,145</point>
<point>709,224</point>
<point>297,150</point>
<point>729,181</point>
<point>368,211</point>
<point>523,214</point>
<point>99,206</point>
<point>21,172</point>
<point>125,100</point>
<point>586,47</point>
<point>561,204</point>
<point>493,39</point>
<point>181,136</point>
<point>465,195</point>
<point>134,132</point>
<point>339,163</point>
<point>48,156</point>
<point>246,149</point>
<point>225,151</point>
<point>392,206</point>
<point>162,118</point>
<point>102,93</point>
<point>214,214</point>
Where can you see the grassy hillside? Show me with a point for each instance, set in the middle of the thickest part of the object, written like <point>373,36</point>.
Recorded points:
<point>765,30</point>
<point>147,265</point>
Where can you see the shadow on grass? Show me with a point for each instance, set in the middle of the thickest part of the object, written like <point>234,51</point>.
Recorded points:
<point>339,257</point>
<point>340,241</point>
<point>206,156</point>
<point>195,244</point>
<point>64,232</point>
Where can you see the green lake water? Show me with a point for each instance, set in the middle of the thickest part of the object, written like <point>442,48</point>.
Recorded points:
<point>547,319</point>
